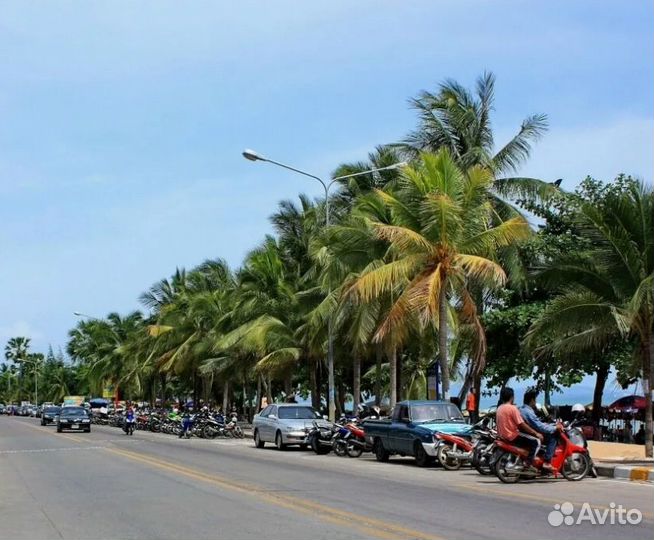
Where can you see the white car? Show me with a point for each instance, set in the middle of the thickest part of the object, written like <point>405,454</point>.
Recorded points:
<point>285,424</point>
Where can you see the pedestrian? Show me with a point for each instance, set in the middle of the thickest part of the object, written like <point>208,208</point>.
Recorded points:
<point>627,435</point>
<point>471,406</point>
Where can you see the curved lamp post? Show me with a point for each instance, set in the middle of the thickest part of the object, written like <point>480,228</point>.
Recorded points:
<point>251,155</point>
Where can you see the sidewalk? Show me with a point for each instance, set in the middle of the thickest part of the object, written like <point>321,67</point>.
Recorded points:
<point>622,461</point>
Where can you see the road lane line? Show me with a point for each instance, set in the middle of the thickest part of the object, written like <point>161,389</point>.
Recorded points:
<point>367,525</point>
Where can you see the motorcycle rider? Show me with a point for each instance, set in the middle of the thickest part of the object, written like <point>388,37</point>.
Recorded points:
<point>549,431</point>
<point>186,421</point>
<point>130,417</point>
<point>511,427</point>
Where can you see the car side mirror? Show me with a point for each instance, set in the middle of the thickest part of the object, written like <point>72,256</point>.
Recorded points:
<point>272,416</point>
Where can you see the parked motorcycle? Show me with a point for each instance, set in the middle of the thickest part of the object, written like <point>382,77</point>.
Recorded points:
<point>321,437</point>
<point>571,458</point>
<point>351,441</point>
<point>457,449</point>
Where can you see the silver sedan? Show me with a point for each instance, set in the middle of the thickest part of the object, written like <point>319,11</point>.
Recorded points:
<point>284,424</point>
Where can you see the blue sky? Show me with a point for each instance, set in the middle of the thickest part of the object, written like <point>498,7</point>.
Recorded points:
<point>122,123</point>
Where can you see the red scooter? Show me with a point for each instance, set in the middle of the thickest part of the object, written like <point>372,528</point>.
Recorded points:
<point>351,441</point>
<point>457,449</point>
<point>571,459</point>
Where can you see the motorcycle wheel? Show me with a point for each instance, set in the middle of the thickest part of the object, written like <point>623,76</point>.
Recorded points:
<point>506,476</point>
<point>317,447</point>
<point>209,432</point>
<point>354,450</point>
<point>576,467</point>
<point>448,463</point>
<point>481,462</point>
<point>340,447</point>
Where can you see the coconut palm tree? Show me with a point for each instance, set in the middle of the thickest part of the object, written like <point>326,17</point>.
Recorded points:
<point>444,236</point>
<point>607,291</point>
<point>456,119</point>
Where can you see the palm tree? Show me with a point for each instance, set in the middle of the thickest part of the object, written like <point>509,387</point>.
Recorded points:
<point>455,119</point>
<point>607,291</point>
<point>17,349</point>
<point>443,237</point>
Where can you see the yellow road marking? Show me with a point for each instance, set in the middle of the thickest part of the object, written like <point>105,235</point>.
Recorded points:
<point>367,525</point>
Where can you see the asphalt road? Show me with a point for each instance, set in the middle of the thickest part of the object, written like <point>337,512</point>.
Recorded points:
<point>107,485</point>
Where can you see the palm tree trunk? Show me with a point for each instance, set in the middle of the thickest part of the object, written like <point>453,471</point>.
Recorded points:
<point>598,392</point>
<point>398,375</point>
<point>648,361</point>
<point>313,385</point>
<point>225,396</point>
<point>288,384</point>
<point>392,359</point>
<point>378,373</point>
<point>258,405</point>
<point>269,393</point>
<point>442,344</point>
<point>356,383</point>
<point>477,387</point>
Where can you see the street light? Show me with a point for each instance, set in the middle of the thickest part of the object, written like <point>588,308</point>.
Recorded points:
<point>84,316</point>
<point>35,363</point>
<point>251,155</point>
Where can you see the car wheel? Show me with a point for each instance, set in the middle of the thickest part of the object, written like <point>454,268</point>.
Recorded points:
<point>303,447</point>
<point>88,430</point>
<point>279,442</point>
<point>421,457</point>
<point>58,429</point>
<point>257,440</point>
<point>381,454</point>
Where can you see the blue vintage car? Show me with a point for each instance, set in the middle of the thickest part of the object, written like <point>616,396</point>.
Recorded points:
<point>411,429</point>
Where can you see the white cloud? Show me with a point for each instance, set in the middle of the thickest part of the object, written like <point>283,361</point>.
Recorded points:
<point>19,329</point>
<point>624,145</point>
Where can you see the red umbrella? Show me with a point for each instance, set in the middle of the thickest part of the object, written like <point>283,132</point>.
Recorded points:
<point>628,404</point>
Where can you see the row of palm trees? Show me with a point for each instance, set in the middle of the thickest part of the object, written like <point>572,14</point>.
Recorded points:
<point>29,376</point>
<point>402,280</point>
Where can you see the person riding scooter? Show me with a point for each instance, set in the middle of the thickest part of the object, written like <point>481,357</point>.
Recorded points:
<point>130,420</point>
<point>549,431</point>
<point>512,427</point>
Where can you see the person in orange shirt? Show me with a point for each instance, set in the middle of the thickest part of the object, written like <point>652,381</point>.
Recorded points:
<point>512,428</point>
<point>471,406</point>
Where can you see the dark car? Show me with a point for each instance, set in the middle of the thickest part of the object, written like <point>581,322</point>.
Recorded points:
<point>73,418</point>
<point>49,415</point>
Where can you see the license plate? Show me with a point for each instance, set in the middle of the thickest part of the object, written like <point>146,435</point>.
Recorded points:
<point>75,426</point>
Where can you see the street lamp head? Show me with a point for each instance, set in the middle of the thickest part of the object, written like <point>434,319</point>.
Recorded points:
<point>399,165</point>
<point>252,155</point>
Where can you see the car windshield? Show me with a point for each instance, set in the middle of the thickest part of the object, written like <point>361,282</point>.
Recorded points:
<point>52,410</point>
<point>436,412</point>
<point>73,411</point>
<point>297,413</point>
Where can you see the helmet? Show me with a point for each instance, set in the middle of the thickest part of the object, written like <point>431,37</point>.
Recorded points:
<point>578,407</point>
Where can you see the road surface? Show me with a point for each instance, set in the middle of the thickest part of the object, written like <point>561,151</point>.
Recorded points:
<point>107,485</point>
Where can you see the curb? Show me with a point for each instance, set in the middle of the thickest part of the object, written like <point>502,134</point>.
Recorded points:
<point>622,472</point>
